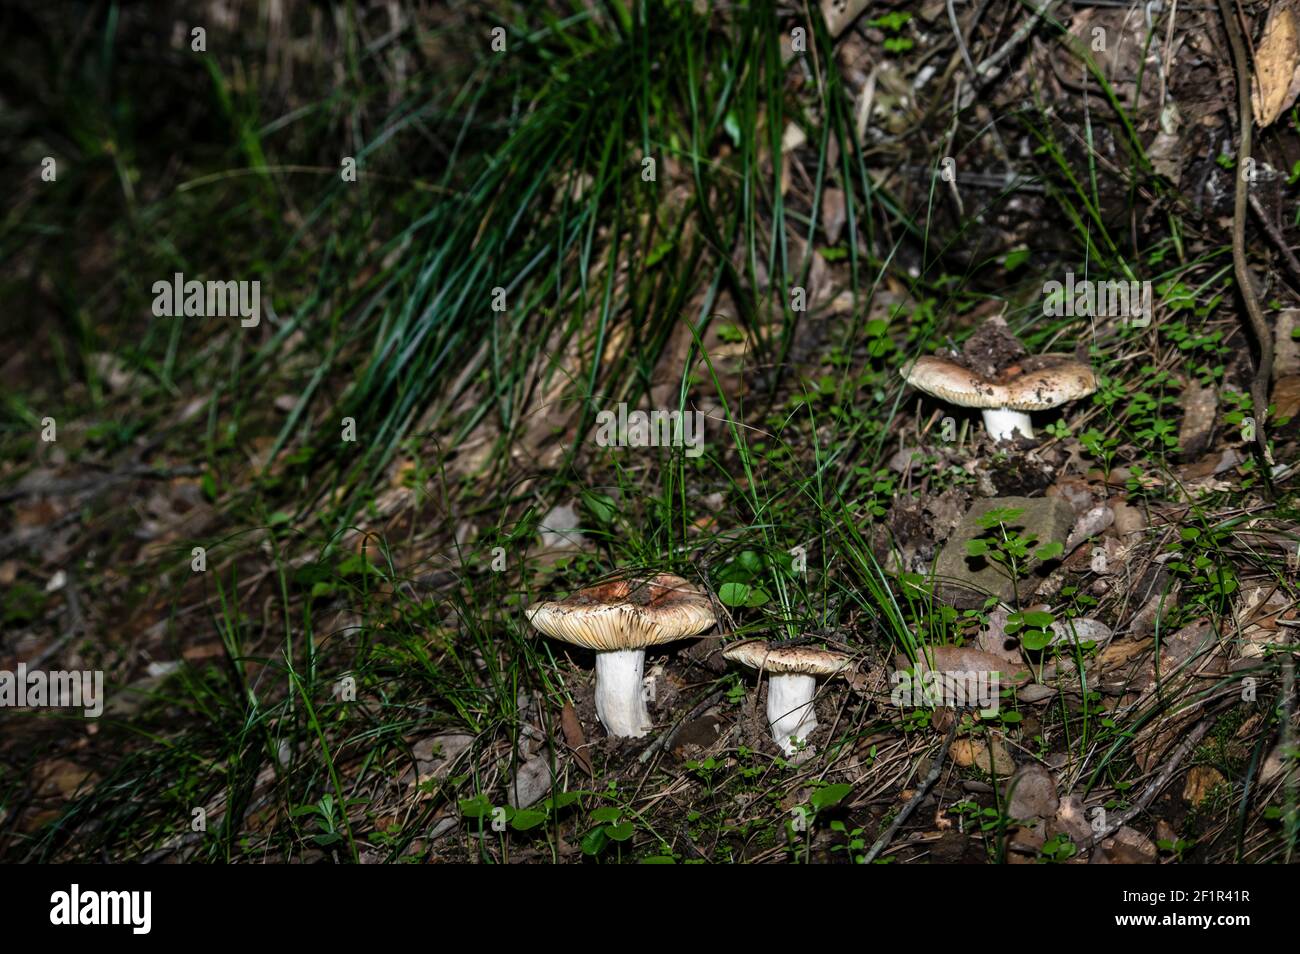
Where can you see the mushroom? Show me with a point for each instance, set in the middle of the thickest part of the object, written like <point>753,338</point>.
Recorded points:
<point>1035,384</point>
<point>619,619</point>
<point>791,685</point>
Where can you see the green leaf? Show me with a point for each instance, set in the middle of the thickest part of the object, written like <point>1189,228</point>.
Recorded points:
<point>606,814</point>
<point>620,832</point>
<point>527,818</point>
<point>977,547</point>
<point>1015,259</point>
<point>602,507</point>
<point>594,842</point>
<point>659,860</point>
<point>735,594</point>
<point>1049,551</point>
<point>564,800</point>
<point>475,807</point>
<point>1035,639</point>
<point>1039,619</point>
<point>828,796</point>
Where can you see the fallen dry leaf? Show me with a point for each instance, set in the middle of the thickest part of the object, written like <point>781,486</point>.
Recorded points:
<point>992,758</point>
<point>574,737</point>
<point>1201,781</point>
<point>1277,66</point>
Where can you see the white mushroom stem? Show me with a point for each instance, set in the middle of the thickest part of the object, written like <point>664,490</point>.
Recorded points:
<point>790,709</point>
<point>1001,422</point>
<point>620,700</point>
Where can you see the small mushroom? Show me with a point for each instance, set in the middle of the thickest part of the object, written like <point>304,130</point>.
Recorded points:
<point>1036,384</point>
<point>619,619</point>
<point>790,687</point>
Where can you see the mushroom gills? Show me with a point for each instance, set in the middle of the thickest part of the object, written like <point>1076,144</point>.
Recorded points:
<point>1002,423</point>
<point>620,693</point>
<point>789,708</point>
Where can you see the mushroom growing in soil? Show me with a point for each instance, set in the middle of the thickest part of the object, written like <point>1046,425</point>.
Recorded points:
<point>1006,398</point>
<point>794,671</point>
<point>619,620</point>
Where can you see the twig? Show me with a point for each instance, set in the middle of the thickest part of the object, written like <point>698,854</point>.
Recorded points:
<point>933,776</point>
<point>1288,256</point>
<point>76,485</point>
<point>667,734</point>
<point>1152,790</point>
<point>985,69</point>
<point>1258,327</point>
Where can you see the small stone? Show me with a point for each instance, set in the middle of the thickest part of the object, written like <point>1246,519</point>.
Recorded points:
<point>531,782</point>
<point>1126,847</point>
<point>1035,693</point>
<point>966,582</point>
<point>1071,820</point>
<point>1033,793</point>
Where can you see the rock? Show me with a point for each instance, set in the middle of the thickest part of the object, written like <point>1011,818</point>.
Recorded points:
<point>1033,793</point>
<point>965,659</point>
<point>945,511</point>
<point>531,782</point>
<point>1071,820</point>
<point>1157,609</point>
<point>1065,632</point>
<point>1107,557</point>
<point>1035,693</point>
<point>1202,780</point>
<point>1088,525</point>
<point>1199,408</point>
<point>1126,847</point>
<point>435,755</point>
<point>1128,520</point>
<point>990,757</point>
<point>965,581</point>
<point>1025,844</point>
<point>1077,493</point>
<point>559,529</point>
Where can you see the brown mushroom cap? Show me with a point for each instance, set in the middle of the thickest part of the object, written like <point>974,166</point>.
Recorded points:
<point>804,660</point>
<point>626,614</point>
<point>1036,384</point>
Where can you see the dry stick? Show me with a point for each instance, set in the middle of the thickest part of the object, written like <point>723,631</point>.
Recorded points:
<point>77,485</point>
<point>1151,791</point>
<point>1258,327</point>
<point>666,736</point>
<point>985,69</point>
<point>1278,239</point>
<point>883,841</point>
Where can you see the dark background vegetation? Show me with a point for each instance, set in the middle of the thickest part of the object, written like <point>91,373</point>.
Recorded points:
<point>521,169</point>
